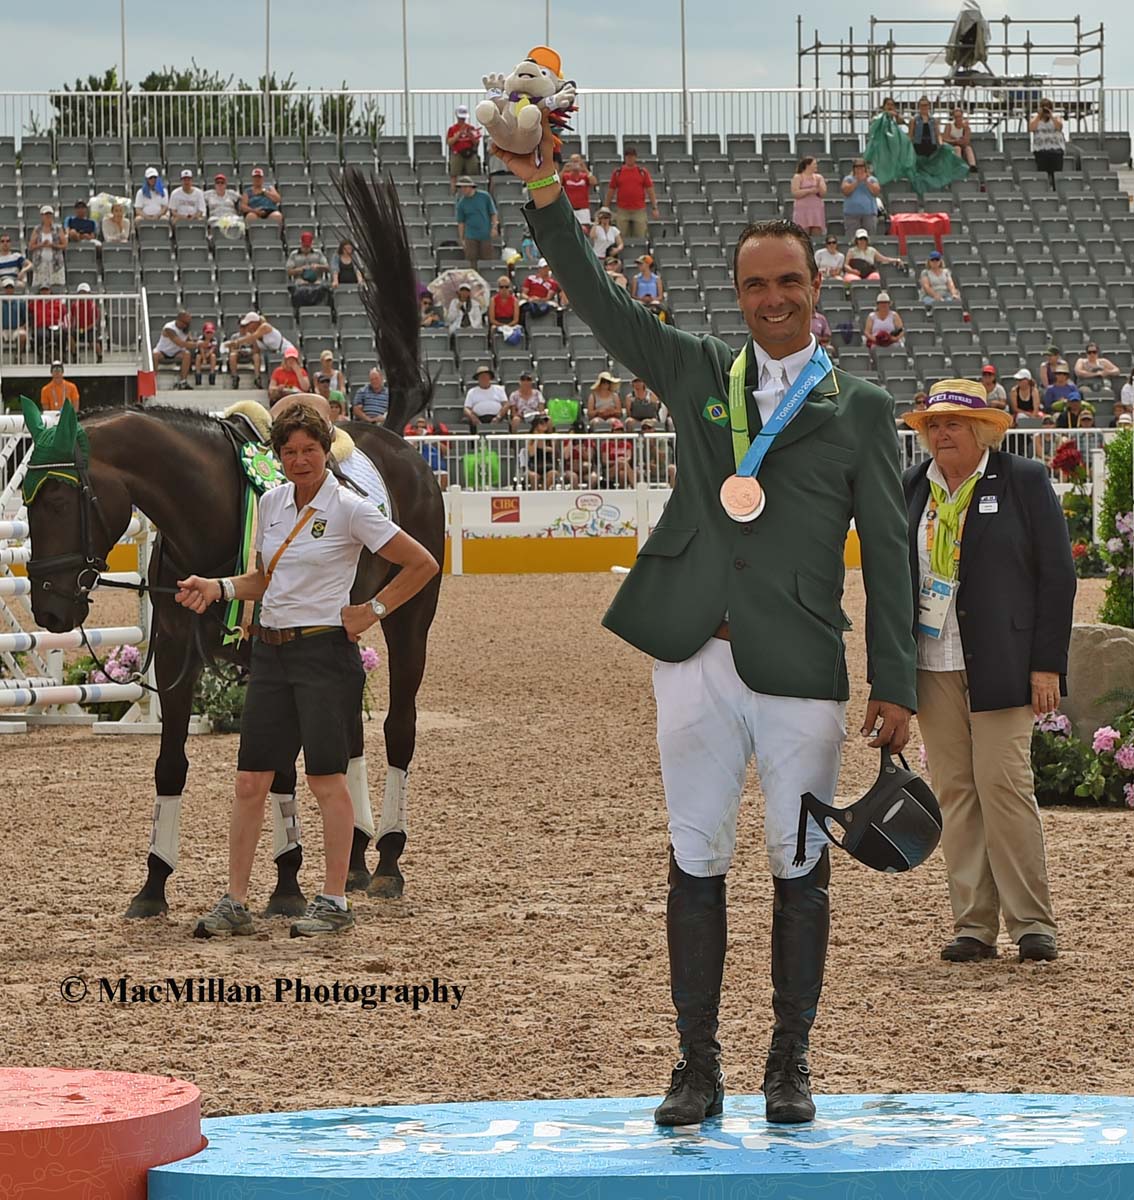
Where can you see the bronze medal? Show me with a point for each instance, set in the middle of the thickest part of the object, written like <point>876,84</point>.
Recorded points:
<point>742,497</point>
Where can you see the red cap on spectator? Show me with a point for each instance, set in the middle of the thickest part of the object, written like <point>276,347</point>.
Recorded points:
<point>306,237</point>
<point>220,177</point>
<point>209,327</point>
<point>290,352</point>
<point>258,172</point>
<point>988,369</point>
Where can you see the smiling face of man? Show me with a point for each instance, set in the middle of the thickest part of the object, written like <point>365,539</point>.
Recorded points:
<point>777,288</point>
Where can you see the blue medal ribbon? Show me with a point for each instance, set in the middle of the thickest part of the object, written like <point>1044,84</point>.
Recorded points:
<point>748,457</point>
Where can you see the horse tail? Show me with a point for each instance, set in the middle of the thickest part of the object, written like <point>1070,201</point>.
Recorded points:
<point>389,290</point>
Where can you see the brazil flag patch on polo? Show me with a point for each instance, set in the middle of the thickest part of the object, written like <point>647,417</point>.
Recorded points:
<point>715,411</point>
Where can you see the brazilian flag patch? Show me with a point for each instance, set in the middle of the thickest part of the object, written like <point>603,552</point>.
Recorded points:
<point>715,411</point>
<point>318,528</point>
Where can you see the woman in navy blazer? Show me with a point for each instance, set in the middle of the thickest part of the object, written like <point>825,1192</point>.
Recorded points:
<point>994,587</point>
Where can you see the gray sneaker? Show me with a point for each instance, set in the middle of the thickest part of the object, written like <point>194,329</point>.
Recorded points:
<point>323,916</point>
<point>228,919</point>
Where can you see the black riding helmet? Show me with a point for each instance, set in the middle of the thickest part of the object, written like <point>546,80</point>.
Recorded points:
<point>895,827</point>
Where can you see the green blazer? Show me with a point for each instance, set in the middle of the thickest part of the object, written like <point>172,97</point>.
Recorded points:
<point>779,578</point>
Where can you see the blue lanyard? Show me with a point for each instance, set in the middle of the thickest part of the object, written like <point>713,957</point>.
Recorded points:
<point>749,457</point>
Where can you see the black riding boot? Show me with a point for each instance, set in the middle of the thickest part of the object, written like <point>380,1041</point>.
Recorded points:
<point>696,930</point>
<point>801,921</point>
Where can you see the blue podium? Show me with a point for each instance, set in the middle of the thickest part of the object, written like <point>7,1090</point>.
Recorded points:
<point>959,1146</point>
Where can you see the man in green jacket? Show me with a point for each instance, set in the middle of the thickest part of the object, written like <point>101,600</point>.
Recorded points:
<point>736,595</point>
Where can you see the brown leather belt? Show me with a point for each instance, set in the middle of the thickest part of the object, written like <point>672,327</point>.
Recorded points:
<point>722,632</point>
<point>280,637</point>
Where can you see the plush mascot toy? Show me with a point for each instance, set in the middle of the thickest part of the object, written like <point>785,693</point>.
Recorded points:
<point>512,112</point>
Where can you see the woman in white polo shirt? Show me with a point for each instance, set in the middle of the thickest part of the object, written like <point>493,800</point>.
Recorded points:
<point>306,678</point>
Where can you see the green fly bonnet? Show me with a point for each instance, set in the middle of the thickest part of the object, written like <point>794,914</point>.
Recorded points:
<point>58,451</point>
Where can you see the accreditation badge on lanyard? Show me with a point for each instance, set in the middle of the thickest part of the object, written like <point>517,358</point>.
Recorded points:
<point>936,592</point>
<point>741,496</point>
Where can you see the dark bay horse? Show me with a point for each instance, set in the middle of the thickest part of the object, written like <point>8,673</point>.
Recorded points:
<point>180,470</point>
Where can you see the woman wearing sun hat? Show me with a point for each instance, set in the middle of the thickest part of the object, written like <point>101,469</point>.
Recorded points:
<point>994,589</point>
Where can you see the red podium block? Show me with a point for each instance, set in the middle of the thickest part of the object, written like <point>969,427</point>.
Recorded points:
<point>91,1135</point>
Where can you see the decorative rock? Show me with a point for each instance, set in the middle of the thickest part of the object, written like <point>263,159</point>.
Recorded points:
<point>1101,659</point>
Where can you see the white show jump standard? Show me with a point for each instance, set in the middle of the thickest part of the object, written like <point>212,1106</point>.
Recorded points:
<point>118,635</point>
<point>85,693</point>
<point>15,585</point>
<point>18,530</point>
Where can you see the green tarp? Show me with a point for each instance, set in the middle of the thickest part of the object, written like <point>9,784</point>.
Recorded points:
<point>891,156</point>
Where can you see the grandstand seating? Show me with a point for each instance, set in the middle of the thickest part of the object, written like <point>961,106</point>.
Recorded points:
<point>1033,265</point>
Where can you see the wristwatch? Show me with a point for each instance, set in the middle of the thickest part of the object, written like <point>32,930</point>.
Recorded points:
<point>379,608</point>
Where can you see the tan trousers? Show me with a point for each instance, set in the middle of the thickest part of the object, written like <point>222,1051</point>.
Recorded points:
<point>980,764</point>
<point>632,222</point>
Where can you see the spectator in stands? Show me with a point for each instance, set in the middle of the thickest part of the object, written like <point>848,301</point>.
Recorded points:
<point>808,188</point>
<point>541,293</point>
<point>1089,441</point>
<point>613,267</point>
<point>616,459</point>
<point>1047,367</point>
<point>920,402</point>
<point>486,400</point>
<point>821,331</point>
<point>1062,389</point>
<point>289,377</point>
<point>151,202</point>
<point>863,258</point>
<point>84,322</point>
<point>1121,409</point>
<point>465,312</point>
<point>434,453</point>
<point>923,130</point>
<point>630,187</point>
<point>53,394</point>
<point>116,228</point>
<point>219,201</point>
<point>1024,397</point>
<point>261,201</point>
<point>478,222</point>
<point>13,317</point>
<point>643,407</point>
<point>372,400</point>
<point>606,237</point>
<point>345,268</point>
<point>46,249</point>
<point>79,227</point>
<point>177,345</point>
<point>337,409</point>
<point>206,356</point>
<point>48,315</point>
<point>1068,411</point>
<point>337,379</point>
<point>307,272</point>
<point>994,389</point>
<point>544,463</point>
<point>890,108</point>
<point>1045,444</point>
<point>255,338</point>
<point>830,259</point>
<point>13,265</point>
<point>431,315</point>
<point>462,140</point>
<point>525,403</point>
<point>187,203</point>
<point>503,307</point>
<point>605,403</point>
<point>860,199</point>
<point>1047,140</point>
<point>647,288</point>
<point>883,327</point>
<point>1093,372</point>
<point>1127,395</point>
<point>937,284</point>
<point>959,135</point>
<point>578,179</point>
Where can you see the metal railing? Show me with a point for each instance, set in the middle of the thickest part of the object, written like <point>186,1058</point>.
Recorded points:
<point>821,112</point>
<point>84,330</point>
<point>520,462</point>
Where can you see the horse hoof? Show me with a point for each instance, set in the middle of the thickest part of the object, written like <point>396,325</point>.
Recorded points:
<point>286,904</point>
<point>358,879</point>
<point>386,887</point>
<point>142,907</point>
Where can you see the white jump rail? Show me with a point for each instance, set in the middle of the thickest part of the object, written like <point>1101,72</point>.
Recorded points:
<point>78,693</point>
<point>117,635</point>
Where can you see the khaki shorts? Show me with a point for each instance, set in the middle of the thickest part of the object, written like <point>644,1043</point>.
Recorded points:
<point>477,249</point>
<point>632,222</point>
<point>464,164</point>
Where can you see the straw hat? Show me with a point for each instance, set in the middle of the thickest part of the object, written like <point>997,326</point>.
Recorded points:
<point>605,377</point>
<point>961,396</point>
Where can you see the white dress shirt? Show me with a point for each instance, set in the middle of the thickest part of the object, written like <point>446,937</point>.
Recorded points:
<point>776,376</point>
<point>944,653</point>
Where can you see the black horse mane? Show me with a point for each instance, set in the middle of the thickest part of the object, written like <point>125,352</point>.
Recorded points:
<point>188,419</point>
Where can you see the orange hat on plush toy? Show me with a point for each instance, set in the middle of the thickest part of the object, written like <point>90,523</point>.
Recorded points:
<point>546,57</point>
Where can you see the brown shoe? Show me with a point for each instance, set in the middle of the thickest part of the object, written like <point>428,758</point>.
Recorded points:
<point>1038,947</point>
<point>968,949</point>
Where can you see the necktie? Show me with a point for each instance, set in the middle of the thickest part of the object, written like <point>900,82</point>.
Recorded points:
<point>775,385</point>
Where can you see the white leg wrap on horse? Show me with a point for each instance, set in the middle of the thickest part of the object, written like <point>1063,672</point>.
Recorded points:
<point>360,795</point>
<point>285,822</point>
<point>394,802</point>
<point>165,833</point>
